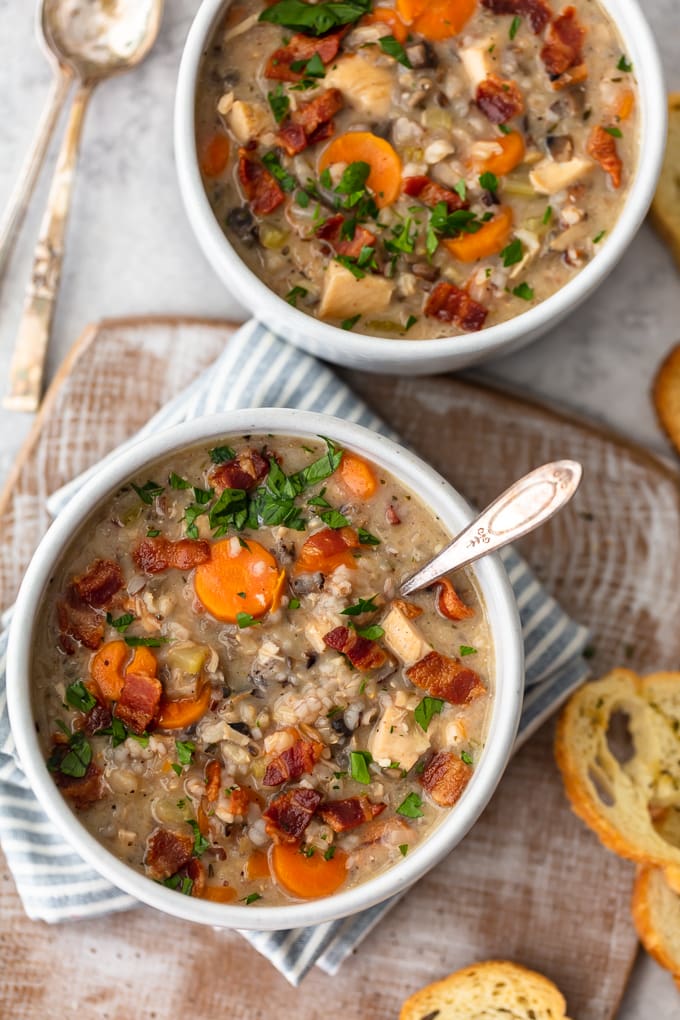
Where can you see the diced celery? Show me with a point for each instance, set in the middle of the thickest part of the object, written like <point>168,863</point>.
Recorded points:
<point>187,657</point>
<point>272,237</point>
<point>519,187</point>
<point>437,119</point>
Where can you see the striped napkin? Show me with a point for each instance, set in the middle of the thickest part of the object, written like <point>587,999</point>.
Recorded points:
<point>257,369</point>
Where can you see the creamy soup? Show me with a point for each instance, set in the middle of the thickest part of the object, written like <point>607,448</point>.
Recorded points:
<point>420,170</point>
<point>229,691</point>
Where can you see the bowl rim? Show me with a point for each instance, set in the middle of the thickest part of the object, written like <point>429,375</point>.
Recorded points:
<point>502,612</point>
<point>351,347</point>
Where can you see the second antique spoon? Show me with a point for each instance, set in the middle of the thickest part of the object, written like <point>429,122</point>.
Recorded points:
<point>528,503</point>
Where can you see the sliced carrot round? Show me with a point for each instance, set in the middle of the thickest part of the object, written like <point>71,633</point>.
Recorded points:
<point>143,662</point>
<point>183,712</point>
<point>107,669</point>
<point>503,162</point>
<point>357,476</point>
<point>384,179</point>
<point>491,239</point>
<point>214,155</point>
<point>238,578</point>
<point>436,19</point>
<point>257,865</point>
<point>326,550</point>
<point>386,16</point>
<point>309,878</point>
<point>218,893</point>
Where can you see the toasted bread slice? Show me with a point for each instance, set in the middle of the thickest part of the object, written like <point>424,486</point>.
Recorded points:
<point>633,802</point>
<point>656,913</point>
<point>493,990</point>
<point>665,211</point>
<point>666,395</point>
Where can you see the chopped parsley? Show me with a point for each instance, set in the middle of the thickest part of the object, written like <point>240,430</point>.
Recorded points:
<point>411,321</point>
<point>231,508</point>
<point>403,849</point>
<point>201,844</point>
<point>366,538</point>
<point>362,606</point>
<point>614,132</point>
<point>185,751</point>
<point>389,45</point>
<point>504,129</point>
<point>547,215</point>
<point>598,237</point>
<point>294,604</point>
<point>351,322</point>
<point>315,19</point>
<point>314,67</point>
<point>488,181</point>
<point>76,760</point>
<point>425,711</point>
<point>153,533</point>
<point>329,854</point>
<point>404,239</point>
<point>177,482</point>
<point>523,291</point>
<point>624,64</point>
<point>246,620</point>
<point>120,623</point>
<point>117,731</point>
<point>182,883</point>
<point>467,650</point>
<point>514,26</point>
<point>513,252</point>
<point>148,492</point>
<point>144,642</point>
<point>273,164</point>
<point>358,766</point>
<point>334,519</point>
<point>221,454</point>
<point>252,897</point>
<point>296,292</point>
<point>372,633</point>
<point>465,758</point>
<point>461,189</point>
<point>411,806</point>
<point>78,696</point>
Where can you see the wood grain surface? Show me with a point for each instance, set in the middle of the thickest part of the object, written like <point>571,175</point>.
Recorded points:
<point>530,883</point>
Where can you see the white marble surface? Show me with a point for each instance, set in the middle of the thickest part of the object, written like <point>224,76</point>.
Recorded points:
<point>130,251</point>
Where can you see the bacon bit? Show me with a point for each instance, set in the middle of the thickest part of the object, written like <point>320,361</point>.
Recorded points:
<point>537,11</point>
<point>289,814</point>
<point>260,188</point>
<point>81,791</point>
<point>327,549</point>
<point>430,193</point>
<point>166,852</point>
<point>602,147</point>
<point>301,47</point>
<point>240,799</point>
<point>391,515</point>
<point>78,622</point>
<point>331,231</point>
<point>390,831</point>
<point>292,137</point>
<point>311,122</point>
<point>361,652</point>
<point>342,815</point>
<point>500,100</point>
<point>196,872</point>
<point>449,303</point>
<point>445,777</point>
<point>292,763</point>
<point>449,602</point>
<point>101,581</point>
<point>213,778</point>
<point>153,555</point>
<point>202,819</point>
<point>446,678</point>
<point>410,610</point>
<point>139,701</point>
<point>243,472</point>
<point>563,43</point>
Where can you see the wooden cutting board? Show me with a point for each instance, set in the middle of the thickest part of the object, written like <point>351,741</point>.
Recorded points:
<point>530,883</point>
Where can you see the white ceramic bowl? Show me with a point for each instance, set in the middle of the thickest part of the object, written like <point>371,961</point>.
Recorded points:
<point>502,615</point>
<point>417,357</point>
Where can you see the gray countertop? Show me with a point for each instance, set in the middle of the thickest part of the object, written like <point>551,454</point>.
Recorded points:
<point>130,251</point>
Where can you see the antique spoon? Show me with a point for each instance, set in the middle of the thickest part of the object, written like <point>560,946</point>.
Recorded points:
<point>529,502</point>
<point>92,40</point>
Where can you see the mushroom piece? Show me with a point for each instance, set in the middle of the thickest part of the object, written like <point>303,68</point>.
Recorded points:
<point>560,147</point>
<point>421,54</point>
<point>549,177</point>
<point>242,222</point>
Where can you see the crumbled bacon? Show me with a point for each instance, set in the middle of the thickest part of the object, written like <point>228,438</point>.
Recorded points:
<point>292,763</point>
<point>153,555</point>
<point>84,790</point>
<point>259,187</point>
<point>499,100</point>
<point>331,231</point>
<point>213,778</point>
<point>446,678</point>
<point>327,549</point>
<point>410,610</point>
<point>139,701</point>
<point>292,137</point>
<point>240,798</point>
<point>342,815</point>
<point>449,303</point>
<point>449,602</point>
<point>602,147</point>
<point>563,43</point>
<point>537,11</point>
<point>78,622</point>
<point>445,777</point>
<point>391,515</point>
<point>166,852</point>
<point>195,870</point>
<point>101,581</point>
<point>430,193</point>
<point>289,814</point>
<point>361,652</point>
<point>312,122</point>
<point>243,472</point>
<point>301,47</point>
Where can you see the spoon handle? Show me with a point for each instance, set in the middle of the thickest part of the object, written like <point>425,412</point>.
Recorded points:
<point>26,370</point>
<point>529,502</point>
<point>17,205</point>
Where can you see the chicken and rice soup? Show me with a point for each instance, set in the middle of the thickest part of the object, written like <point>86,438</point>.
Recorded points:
<point>417,170</point>
<point>231,695</point>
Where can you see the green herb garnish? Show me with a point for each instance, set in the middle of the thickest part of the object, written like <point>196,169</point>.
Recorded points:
<point>411,321</point>
<point>362,606</point>
<point>512,253</point>
<point>201,844</point>
<point>523,291</point>
<point>624,64</point>
<point>389,45</point>
<point>329,854</point>
<point>78,696</point>
<point>514,26</point>
<point>185,751</point>
<point>351,322</point>
<point>148,492</point>
<point>251,898</point>
<point>598,237</point>
<point>372,633</point>
<point>465,758</point>
<point>273,164</point>
<point>177,482</point>
<point>467,650</point>
<point>295,293</point>
<point>145,642</point>
<point>411,807</point>
<point>358,766</point>
<point>614,132</point>
<point>425,711</point>
<point>403,849</point>
<point>246,620</point>
<point>279,102</point>
<point>315,19</point>
<point>221,454</point>
<point>366,538</point>
<point>488,181</point>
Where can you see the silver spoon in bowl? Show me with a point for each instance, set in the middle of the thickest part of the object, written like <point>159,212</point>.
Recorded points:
<point>528,503</point>
<point>91,40</point>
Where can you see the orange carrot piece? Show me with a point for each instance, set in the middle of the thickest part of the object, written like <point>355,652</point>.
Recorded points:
<point>384,179</point>
<point>386,16</point>
<point>143,661</point>
<point>257,865</point>
<point>215,155</point>
<point>278,591</point>
<point>326,550</point>
<point>183,712</point>
<point>237,579</point>
<point>436,19</point>
<point>202,820</point>
<point>357,476</point>
<point>309,878</point>
<point>107,669</point>
<point>503,162</point>
<point>492,237</point>
<point>626,104</point>
<point>219,893</point>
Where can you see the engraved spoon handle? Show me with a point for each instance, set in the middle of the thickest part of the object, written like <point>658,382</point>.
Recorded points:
<point>528,503</point>
<point>26,370</point>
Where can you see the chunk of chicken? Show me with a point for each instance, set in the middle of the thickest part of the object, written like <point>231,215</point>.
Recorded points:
<point>548,177</point>
<point>476,61</point>
<point>397,738</point>
<point>344,296</point>
<point>404,638</point>
<point>247,120</point>
<point>366,86</point>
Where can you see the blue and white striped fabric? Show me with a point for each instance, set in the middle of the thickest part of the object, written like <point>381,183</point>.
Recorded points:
<point>259,370</point>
